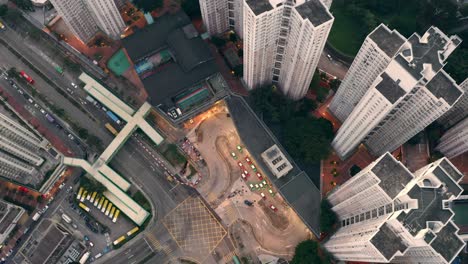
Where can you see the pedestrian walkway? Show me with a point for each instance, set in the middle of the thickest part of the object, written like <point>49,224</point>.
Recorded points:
<point>116,185</point>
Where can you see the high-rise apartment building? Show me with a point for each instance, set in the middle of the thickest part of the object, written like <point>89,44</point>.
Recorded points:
<point>283,41</point>
<point>459,111</point>
<point>86,17</point>
<point>19,149</point>
<point>222,15</point>
<point>376,53</point>
<point>411,93</point>
<point>387,214</point>
<point>455,141</point>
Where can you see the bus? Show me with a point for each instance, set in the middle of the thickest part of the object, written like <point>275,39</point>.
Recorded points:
<point>27,77</point>
<point>108,209</point>
<point>111,214</point>
<point>93,196</point>
<point>80,192</point>
<point>117,212</point>
<point>133,231</point>
<point>104,206</point>
<point>85,257</point>
<point>96,201</point>
<point>82,205</point>
<point>100,203</point>
<point>119,240</point>
<point>111,129</point>
<point>83,196</point>
<point>113,117</point>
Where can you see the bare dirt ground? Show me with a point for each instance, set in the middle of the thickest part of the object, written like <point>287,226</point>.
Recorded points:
<point>277,219</point>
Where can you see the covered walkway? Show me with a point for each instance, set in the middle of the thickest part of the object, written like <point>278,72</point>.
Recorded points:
<point>116,185</point>
<point>115,195</point>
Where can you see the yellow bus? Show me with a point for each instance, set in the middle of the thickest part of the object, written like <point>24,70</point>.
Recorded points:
<point>84,195</point>
<point>80,192</point>
<point>96,201</point>
<point>93,197</point>
<point>119,240</point>
<point>82,205</point>
<point>108,209</point>
<point>111,214</point>
<point>104,206</point>
<point>116,216</point>
<point>101,202</point>
<point>133,231</point>
<point>111,129</point>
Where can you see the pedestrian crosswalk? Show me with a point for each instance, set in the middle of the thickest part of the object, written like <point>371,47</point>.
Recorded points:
<point>158,246</point>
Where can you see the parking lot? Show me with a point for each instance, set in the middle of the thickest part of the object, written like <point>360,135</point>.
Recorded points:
<point>93,227</point>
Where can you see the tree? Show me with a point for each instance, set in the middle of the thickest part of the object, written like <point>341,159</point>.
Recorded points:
<point>233,37</point>
<point>192,8</point>
<point>148,5</point>
<point>355,169</point>
<point>3,10</point>
<point>39,199</point>
<point>218,42</point>
<point>239,70</point>
<point>307,253</point>
<point>70,64</point>
<point>240,52</point>
<point>322,93</point>
<point>305,106</point>
<point>24,4</point>
<point>334,84</point>
<point>83,133</point>
<point>328,218</point>
<point>308,138</point>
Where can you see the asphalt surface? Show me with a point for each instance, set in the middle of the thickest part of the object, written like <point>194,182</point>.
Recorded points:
<point>29,52</point>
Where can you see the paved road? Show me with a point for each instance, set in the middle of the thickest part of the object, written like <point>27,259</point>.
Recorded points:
<point>333,67</point>
<point>30,53</point>
<point>78,150</point>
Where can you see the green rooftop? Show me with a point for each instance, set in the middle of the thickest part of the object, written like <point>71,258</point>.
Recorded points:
<point>461,213</point>
<point>119,63</point>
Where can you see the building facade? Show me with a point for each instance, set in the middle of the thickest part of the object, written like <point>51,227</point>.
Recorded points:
<point>387,214</point>
<point>220,16</point>
<point>411,93</point>
<point>86,17</point>
<point>459,111</point>
<point>19,149</point>
<point>283,41</point>
<point>455,141</point>
<point>375,54</point>
<point>107,16</point>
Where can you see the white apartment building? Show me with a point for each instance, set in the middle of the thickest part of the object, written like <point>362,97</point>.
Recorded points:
<point>283,41</point>
<point>459,111</point>
<point>220,16</point>
<point>411,93</point>
<point>18,149</point>
<point>86,17</point>
<point>375,54</point>
<point>455,141</point>
<point>389,215</point>
<point>107,17</point>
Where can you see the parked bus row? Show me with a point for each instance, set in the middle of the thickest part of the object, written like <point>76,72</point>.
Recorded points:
<point>99,201</point>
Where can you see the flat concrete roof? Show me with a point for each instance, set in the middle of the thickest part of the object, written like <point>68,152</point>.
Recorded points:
<point>259,6</point>
<point>387,40</point>
<point>315,11</point>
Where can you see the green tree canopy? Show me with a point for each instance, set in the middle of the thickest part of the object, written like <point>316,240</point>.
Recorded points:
<point>148,5</point>
<point>192,8</point>
<point>3,10</point>
<point>307,253</point>
<point>328,218</point>
<point>308,138</point>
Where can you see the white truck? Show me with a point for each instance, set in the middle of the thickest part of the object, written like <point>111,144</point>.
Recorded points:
<point>66,218</point>
<point>36,216</point>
